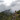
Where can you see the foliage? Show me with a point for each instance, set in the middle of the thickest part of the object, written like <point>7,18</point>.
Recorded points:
<point>18,11</point>
<point>18,17</point>
<point>6,16</point>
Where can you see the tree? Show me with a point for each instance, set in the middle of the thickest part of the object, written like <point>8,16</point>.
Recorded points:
<point>18,12</point>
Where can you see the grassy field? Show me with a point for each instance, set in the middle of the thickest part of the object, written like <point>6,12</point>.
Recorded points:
<point>7,17</point>
<point>18,17</point>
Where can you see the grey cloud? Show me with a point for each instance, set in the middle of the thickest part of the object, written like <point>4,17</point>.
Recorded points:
<point>4,7</point>
<point>18,0</point>
<point>1,1</point>
<point>13,4</point>
<point>17,7</point>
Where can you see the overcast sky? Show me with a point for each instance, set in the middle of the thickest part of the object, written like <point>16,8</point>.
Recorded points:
<point>9,4</point>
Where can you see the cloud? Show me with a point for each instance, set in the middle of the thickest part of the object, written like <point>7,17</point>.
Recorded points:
<point>13,4</point>
<point>4,7</point>
<point>18,0</point>
<point>1,0</point>
<point>16,7</point>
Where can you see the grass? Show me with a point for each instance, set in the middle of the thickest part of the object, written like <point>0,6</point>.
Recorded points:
<point>9,18</point>
<point>17,18</point>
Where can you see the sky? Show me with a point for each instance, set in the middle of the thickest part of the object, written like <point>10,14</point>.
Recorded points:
<point>9,4</point>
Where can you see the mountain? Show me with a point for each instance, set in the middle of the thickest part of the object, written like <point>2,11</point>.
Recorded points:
<point>7,12</point>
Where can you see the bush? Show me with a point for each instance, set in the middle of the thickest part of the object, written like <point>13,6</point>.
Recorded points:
<point>19,16</point>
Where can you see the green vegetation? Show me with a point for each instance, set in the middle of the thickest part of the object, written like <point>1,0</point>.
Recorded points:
<point>6,17</point>
<point>18,11</point>
<point>18,17</point>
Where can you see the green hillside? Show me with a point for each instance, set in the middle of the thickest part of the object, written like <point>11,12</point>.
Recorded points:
<point>18,17</point>
<point>6,17</point>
